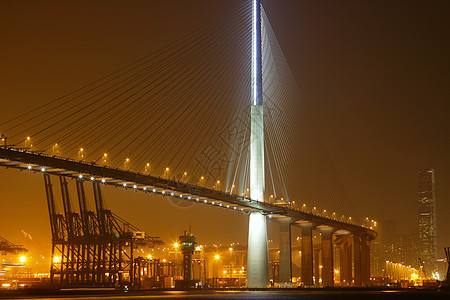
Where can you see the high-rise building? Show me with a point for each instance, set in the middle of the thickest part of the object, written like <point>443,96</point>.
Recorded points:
<point>427,220</point>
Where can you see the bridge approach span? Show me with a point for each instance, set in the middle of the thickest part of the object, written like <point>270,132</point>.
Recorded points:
<point>39,162</point>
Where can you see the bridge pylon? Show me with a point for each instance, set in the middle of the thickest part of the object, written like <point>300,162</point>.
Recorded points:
<point>258,275</point>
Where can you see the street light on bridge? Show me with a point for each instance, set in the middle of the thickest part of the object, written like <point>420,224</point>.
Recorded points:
<point>27,141</point>
<point>56,150</point>
<point>217,185</point>
<point>126,163</point>
<point>201,181</point>
<point>81,154</point>
<point>166,173</point>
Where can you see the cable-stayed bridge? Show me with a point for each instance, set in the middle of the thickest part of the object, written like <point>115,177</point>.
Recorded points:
<point>164,113</point>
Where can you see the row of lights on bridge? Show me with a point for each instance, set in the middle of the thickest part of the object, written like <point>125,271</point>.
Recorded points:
<point>147,167</point>
<point>372,224</point>
<point>172,194</point>
<point>125,185</point>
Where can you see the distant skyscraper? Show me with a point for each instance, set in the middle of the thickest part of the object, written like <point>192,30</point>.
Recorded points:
<point>427,220</point>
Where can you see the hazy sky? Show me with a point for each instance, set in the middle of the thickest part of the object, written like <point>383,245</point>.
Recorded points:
<point>374,75</point>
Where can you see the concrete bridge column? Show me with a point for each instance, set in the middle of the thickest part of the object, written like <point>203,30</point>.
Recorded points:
<point>307,257</point>
<point>327,259</point>
<point>316,264</point>
<point>285,270</point>
<point>358,259</point>
<point>258,252</point>
<point>362,260</point>
<point>345,261</point>
<point>365,258</point>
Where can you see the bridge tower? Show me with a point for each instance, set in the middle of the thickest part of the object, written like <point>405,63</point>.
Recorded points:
<point>258,250</point>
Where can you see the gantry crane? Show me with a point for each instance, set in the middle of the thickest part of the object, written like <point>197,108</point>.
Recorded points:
<point>8,247</point>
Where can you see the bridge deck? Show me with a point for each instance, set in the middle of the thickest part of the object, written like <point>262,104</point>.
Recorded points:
<point>39,162</point>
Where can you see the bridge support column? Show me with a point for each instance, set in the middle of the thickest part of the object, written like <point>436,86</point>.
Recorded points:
<point>345,261</point>
<point>357,259</point>
<point>361,260</point>
<point>307,257</point>
<point>366,266</point>
<point>285,270</point>
<point>258,275</point>
<point>327,259</point>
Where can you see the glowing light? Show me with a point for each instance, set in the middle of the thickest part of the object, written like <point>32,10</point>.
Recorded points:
<point>80,176</point>
<point>124,184</point>
<point>22,259</point>
<point>176,245</point>
<point>103,180</point>
<point>105,154</point>
<point>92,178</point>
<point>29,167</point>
<point>149,256</point>
<point>134,186</point>
<point>255,51</point>
<point>167,169</point>
<point>56,259</point>
<point>217,256</point>
<point>81,149</point>
<point>28,138</point>
<point>43,169</point>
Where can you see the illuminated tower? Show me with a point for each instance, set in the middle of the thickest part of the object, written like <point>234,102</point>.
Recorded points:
<point>258,250</point>
<point>427,220</point>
